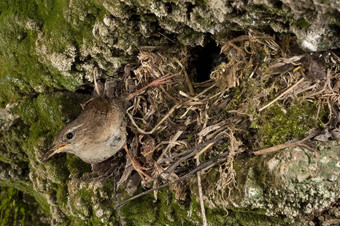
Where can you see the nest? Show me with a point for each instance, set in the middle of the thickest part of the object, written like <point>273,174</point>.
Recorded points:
<point>182,128</point>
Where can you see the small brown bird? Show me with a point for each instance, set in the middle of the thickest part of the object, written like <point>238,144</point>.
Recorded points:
<point>96,134</point>
<point>99,131</point>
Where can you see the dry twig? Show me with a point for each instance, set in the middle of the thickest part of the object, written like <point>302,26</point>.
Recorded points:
<point>218,159</point>
<point>281,95</point>
<point>200,193</point>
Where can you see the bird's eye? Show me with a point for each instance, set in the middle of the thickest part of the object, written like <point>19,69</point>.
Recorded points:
<point>69,135</point>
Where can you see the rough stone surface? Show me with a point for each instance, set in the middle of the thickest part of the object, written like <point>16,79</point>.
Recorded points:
<point>293,182</point>
<point>51,46</point>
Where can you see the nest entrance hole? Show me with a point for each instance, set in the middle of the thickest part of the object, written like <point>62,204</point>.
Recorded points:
<point>205,59</point>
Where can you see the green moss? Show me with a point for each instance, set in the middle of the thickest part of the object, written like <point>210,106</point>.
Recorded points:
<point>76,166</point>
<point>252,217</point>
<point>41,118</point>
<point>85,194</point>
<point>62,194</point>
<point>148,18</point>
<point>168,211</point>
<point>261,7</point>
<point>141,211</point>
<point>240,94</point>
<point>11,145</point>
<point>302,24</point>
<point>27,188</point>
<point>62,26</point>
<point>46,114</point>
<point>189,37</point>
<point>21,71</point>
<point>16,208</point>
<point>235,101</point>
<point>238,216</point>
<point>176,211</point>
<point>337,24</point>
<point>81,204</point>
<point>278,125</point>
<point>260,173</point>
<point>165,211</point>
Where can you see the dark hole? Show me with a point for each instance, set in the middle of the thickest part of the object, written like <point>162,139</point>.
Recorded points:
<point>85,89</point>
<point>205,59</point>
<point>336,51</point>
<point>190,8</point>
<point>168,7</point>
<point>20,195</point>
<point>278,4</point>
<point>336,28</point>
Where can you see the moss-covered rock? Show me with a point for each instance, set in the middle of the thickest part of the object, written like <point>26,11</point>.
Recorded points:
<point>293,182</point>
<point>49,48</point>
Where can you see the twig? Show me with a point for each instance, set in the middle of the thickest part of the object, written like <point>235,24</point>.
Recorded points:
<point>169,96</point>
<point>168,114</point>
<point>158,124</point>
<point>213,161</point>
<point>209,129</point>
<point>166,37</point>
<point>237,39</point>
<point>327,82</point>
<point>177,155</point>
<point>294,144</point>
<point>158,82</point>
<point>276,148</point>
<point>204,149</point>
<point>173,140</point>
<point>120,217</point>
<point>282,94</point>
<point>95,81</point>
<point>299,143</point>
<point>187,79</point>
<point>204,91</point>
<point>200,193</point>
<point>194,150</point>
<point>188,102</point>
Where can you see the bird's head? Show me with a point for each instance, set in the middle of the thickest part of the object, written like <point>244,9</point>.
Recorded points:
<point>70,139</point>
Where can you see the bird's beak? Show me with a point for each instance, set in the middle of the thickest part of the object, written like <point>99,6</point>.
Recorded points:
<point>54,150</point>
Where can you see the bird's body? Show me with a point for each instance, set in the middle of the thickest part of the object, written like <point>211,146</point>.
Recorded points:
<point>96,134</point>
<point>99,131</point>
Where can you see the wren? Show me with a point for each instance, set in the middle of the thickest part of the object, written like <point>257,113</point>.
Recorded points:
<point>99,131</point>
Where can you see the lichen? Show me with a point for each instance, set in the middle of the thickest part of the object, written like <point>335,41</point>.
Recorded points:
<point>289,183</point>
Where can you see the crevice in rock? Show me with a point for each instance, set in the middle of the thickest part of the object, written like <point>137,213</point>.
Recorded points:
<point>206,59</point>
